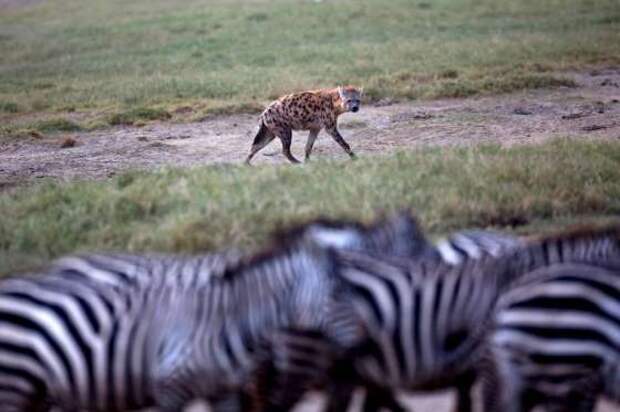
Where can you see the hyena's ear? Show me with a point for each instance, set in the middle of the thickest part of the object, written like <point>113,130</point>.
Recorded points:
<point>340,91</point>
<point>361,91</point>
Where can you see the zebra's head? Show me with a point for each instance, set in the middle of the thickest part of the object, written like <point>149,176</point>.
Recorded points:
<point>397,235</point>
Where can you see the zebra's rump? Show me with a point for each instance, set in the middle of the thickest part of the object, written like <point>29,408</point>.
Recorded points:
<point>562,332</point>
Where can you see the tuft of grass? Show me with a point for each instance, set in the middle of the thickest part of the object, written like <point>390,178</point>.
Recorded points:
<point>23,133</point>
<point>138,116</point>
<point>231,53</point>
<point>451,85</point>
<point>193,210</point>
<point>9,107</point>
<point>59,124</point>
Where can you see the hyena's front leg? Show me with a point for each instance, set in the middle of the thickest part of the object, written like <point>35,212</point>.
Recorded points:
<point>310,143</point>
<point>335,134</point>
<point>286,136</point>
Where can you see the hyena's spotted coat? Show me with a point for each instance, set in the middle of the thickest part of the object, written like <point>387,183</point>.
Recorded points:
<point>310,110</point>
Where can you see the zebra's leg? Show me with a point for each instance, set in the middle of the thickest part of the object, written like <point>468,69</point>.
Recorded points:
<point>463,392</point>
<point>299,361</point>
<point>501,385</point>
<point>339,396</point>
<point>230,402</point>
<point>378,398</point>
<point>578,401</point>
<point>170,396</point>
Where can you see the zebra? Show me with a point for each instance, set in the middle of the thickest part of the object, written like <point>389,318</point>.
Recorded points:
<point>427,320</point>
<point>452,249</point>
<point>556,340</point>
<point>127,331</point>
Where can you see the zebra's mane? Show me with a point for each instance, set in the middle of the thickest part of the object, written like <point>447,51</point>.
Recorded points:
<point>296,231</point>
<point>282,242</point>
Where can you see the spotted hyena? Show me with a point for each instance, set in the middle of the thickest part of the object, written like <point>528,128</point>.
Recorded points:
<point>311,110</point>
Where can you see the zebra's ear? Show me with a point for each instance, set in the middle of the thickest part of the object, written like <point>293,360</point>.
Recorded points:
<point>333,237</point>
<point>406,237</point>
<point>319,255</point>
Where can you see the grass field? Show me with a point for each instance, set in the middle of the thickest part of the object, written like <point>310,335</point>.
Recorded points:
<point>82,65</point>
<point>205,208</point>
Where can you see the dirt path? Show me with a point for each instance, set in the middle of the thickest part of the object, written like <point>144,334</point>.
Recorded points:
<point>591,110</point>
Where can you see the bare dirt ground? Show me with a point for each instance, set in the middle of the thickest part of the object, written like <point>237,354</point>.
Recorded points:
<point>589,111</point>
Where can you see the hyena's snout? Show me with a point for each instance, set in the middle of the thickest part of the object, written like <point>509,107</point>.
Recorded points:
<point>353,105</point>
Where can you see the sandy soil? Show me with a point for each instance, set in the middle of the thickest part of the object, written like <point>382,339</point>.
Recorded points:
<point>589,111</point>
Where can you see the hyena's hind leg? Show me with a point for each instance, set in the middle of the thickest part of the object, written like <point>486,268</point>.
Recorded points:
<point>262,139</point>
<point>286,136</point>
<point>310,143</point>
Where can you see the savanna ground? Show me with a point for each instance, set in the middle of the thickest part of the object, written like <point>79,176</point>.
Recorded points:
<point>122,124</point>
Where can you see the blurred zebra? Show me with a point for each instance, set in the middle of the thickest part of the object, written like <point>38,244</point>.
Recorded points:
<point>474,244</point>
<point>453,249</point>
<point>116,332</point>
<point>556,340</point>
<point>427,321</point>
<point>85,345</point>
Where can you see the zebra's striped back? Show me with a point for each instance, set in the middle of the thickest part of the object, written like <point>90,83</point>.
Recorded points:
<point>556,338</point>
<point>133,270</point>
<point>474,244</point>
<point>427,320</point>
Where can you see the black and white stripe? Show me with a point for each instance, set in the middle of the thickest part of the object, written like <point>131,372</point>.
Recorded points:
<point>474,244</point>
<point>427,321</point>
<point>454,249</point>
<point>556,340</point>
<point>82,344</point>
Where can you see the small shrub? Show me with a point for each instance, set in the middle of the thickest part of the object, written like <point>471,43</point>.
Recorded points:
<point>58,125</point>
<point>133,116</point>
<point>9,107</point>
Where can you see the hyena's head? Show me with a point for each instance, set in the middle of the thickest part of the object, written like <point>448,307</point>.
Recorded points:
<point>351,97</point>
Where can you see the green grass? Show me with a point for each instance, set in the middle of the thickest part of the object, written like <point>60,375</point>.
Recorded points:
<point>205,208</point>
<point>138,114</point>
<point>57,125</point>
<point>231,55</point>
<point>9,107</point>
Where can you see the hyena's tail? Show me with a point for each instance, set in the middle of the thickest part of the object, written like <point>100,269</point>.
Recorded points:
<point>261,136</point>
